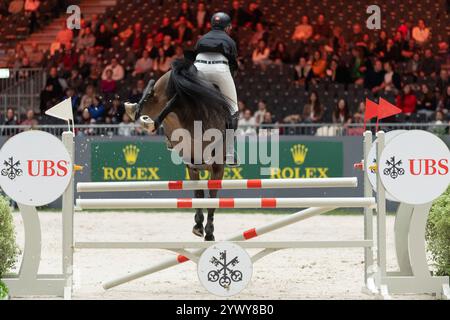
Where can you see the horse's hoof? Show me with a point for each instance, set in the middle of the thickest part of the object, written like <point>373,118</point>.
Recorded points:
<point>198,231</point>
<point>209,237</point>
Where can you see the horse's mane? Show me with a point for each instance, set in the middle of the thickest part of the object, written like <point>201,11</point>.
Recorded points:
<point>197,99</point>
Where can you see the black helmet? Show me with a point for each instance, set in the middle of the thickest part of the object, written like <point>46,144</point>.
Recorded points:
<point>220,21</point>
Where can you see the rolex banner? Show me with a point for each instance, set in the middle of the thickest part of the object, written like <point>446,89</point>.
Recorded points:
<point>150,160</point>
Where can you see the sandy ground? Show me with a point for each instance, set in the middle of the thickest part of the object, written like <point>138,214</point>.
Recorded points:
<point>287,274</point>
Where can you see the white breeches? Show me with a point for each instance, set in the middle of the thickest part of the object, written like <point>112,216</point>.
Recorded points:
<point>218,74</point>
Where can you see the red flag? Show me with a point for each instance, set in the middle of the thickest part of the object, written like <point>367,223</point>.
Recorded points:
<point>387,109</point>
<point>371,111</point>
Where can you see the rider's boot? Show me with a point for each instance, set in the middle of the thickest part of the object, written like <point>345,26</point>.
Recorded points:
<point>231,158</point>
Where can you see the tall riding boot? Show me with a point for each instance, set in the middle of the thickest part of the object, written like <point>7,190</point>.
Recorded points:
<point>231,153</point>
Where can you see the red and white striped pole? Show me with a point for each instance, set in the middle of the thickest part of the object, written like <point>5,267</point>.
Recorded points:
<point>246,235</point>
<point>350,182</point>
<point>195,203</point>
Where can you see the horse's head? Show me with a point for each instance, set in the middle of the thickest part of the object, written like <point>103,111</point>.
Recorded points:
<point>152,102</point>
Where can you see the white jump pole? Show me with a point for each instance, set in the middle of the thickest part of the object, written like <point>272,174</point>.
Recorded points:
<point>350,182</point>
<point>194,203</point>
<point>246,235</point>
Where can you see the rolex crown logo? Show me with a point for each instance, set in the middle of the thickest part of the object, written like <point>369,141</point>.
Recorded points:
<point>299,152</point>
<point>131,153</point>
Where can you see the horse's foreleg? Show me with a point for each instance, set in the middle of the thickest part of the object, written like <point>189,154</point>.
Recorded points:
<point>199,217</point>
<point>198,227</point>
<point>209,228</point>
<point>216,174</point>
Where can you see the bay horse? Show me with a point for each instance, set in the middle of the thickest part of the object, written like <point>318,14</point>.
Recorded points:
<point>180,97</point>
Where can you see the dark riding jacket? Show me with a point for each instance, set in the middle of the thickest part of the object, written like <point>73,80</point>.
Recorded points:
<point>219,41</point>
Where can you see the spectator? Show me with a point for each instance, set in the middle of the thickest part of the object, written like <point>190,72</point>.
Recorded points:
<point>259,114</point>
<point>186,12</point>
<point>427,104</point>
<point>303,31</point>
<point>322,29</point>
<point>144,64</point>
<point>337,72</point>
<point>247,124</point>
<point>360,65</point>
<point>341,114</point>
<point>356,38</point>
<point>75,81</point>
<point>30,119</point>
<point>313,111</point>
<point>393,51</point>
<point>117,69</point>
<point>166,29</point>
<point>102,38</point>
<point>259,34</point>
<point>162,63</point>
<point>64,36</point>
<point>266,123</point>
<point>74,98</point>
<point>420,33</point>
<point>391,78</point>
<point>202,17</point>
<point>405,30</point>
<point>86,119</point>
<point>184,32</point>
<point>319,65</point>
<point>86,39</point>
<point>137,92</point>
<point>68,61</point>
<point>261,54</point>
<point>381,44</point>
<point>137,39</point>
<point>238,15</point>
<point>10,120</point>
<point>108,85</point>
<point>47,98</point>
<point>413,65</point>
<point>36,56</point>
<point>442,82</point>
<point>279,54</point>
<point>31,11</point>
<point>241,108</point>
<point>409,49</point>
<point>407,101</point>
<point>54,80</point>
<point>179,53</point>
<point>87,99</point>
<point>151,48</point>
<point>126,128</point>
<point>375,77</point>
<point>115,113</point>
<point>167,46</point>
<point>83,66</point>
<point>254,15</point>
<point>337,40</point>
<point>94,23</point>
<point>428,66</point>
<point>97,109</point>
<point>302,71</point>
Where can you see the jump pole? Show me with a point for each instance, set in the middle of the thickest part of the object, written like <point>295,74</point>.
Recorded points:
<point>351,182</point>
<point>194,203</point>
<point>246,235</point>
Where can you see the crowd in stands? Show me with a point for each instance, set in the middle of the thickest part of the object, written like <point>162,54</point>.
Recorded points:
<point>405,67</point>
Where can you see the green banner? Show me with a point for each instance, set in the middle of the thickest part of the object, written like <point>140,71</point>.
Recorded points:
<point>150,160</point>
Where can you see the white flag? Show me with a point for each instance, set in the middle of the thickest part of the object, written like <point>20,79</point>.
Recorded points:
<point>62,110</point>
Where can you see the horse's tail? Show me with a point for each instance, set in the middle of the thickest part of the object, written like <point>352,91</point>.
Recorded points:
<point>200,96</point>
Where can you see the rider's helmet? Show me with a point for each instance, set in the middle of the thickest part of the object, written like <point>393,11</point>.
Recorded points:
<point>220,21</point>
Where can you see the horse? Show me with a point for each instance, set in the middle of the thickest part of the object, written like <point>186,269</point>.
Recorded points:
<point>178,99</point>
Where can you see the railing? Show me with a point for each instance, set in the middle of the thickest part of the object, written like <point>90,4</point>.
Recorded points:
<point>321,130</point>
<point>22,89</point>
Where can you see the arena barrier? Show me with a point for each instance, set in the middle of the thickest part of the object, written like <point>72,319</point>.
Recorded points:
<point>413,275</point>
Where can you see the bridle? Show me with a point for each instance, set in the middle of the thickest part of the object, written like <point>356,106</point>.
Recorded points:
<point>148,92</point>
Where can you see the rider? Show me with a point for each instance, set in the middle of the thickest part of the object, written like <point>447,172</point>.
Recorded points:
<point>216,59</point>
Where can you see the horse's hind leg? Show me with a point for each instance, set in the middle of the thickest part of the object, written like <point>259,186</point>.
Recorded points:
<point>217,174</point>
<point>199,217</point>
